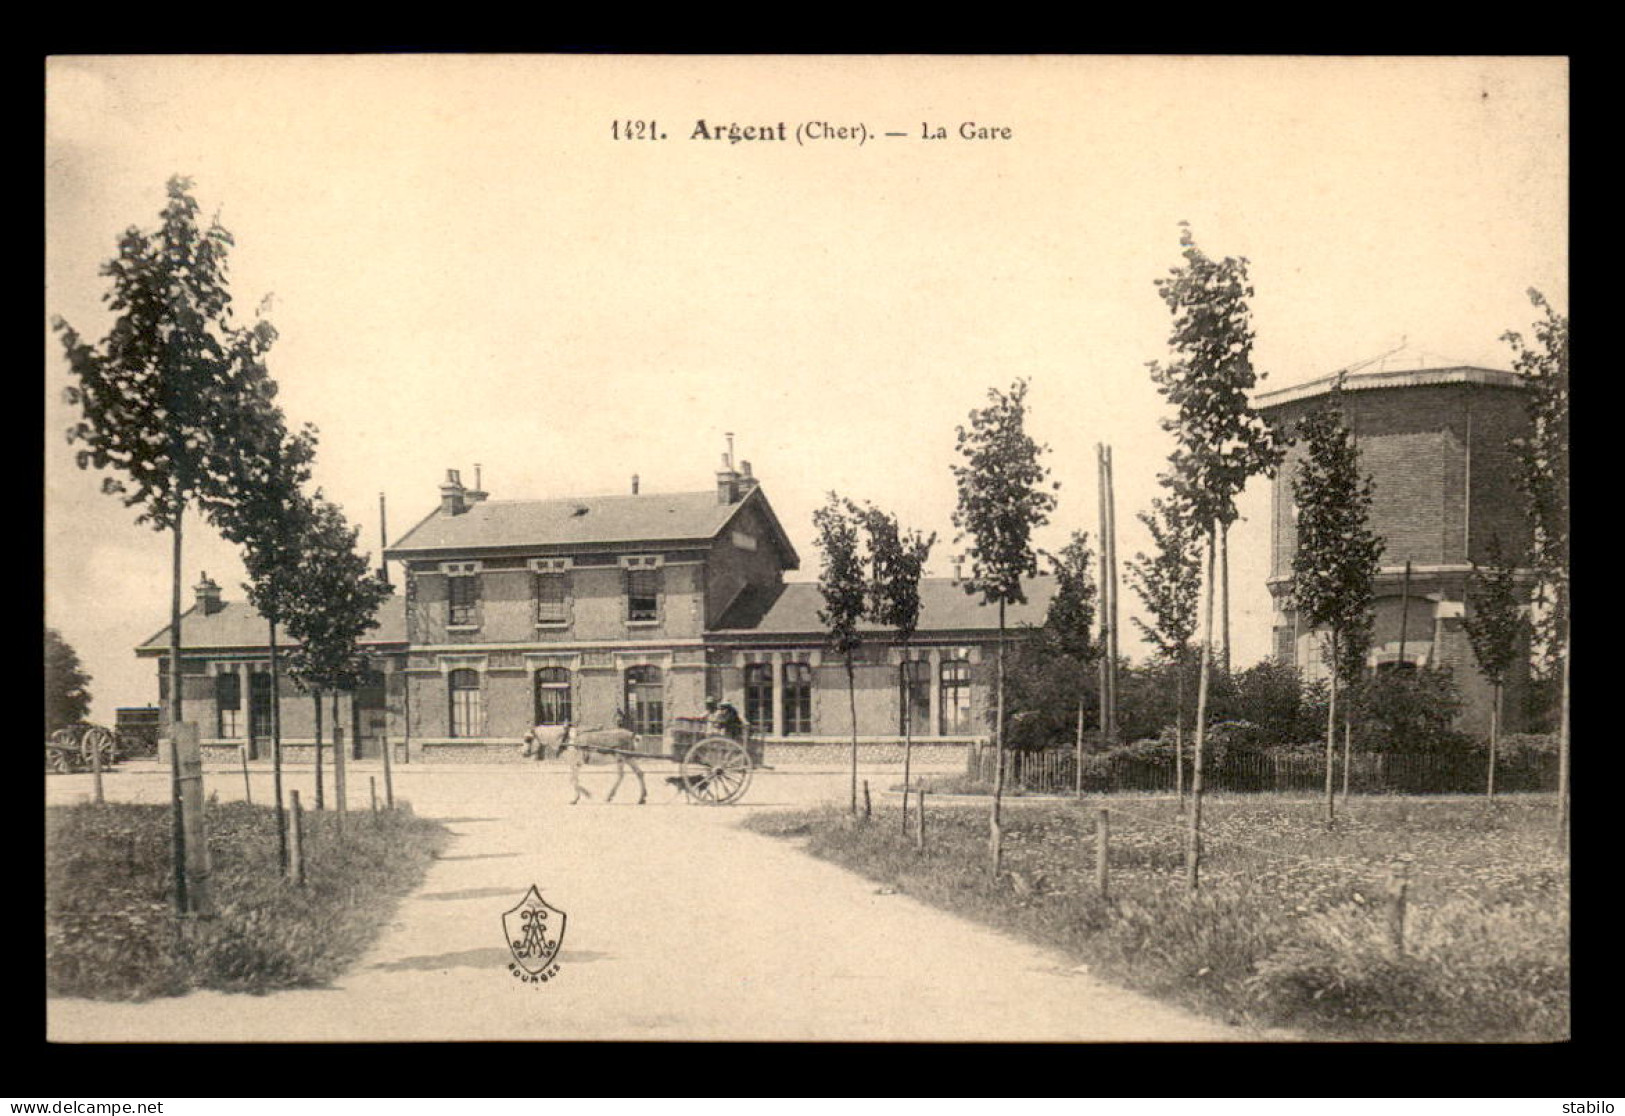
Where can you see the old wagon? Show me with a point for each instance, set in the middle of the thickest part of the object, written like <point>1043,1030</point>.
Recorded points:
<point>75,748</point>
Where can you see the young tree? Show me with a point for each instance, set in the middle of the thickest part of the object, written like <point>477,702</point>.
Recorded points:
<point>896,560</point>
<point>156,397</point>
<point>1169,584</point>
<point>845,591</point>
<point>1221,441</point>
<point>67,686</point>
<point>1335,565</point>
<point>1542,471</point>
<point>156,393</point>
<point>1495,628</point>
<point>337,600</point>
<point>1543,477</point>
<point>1068,622</point>
<point>1003,499</point>
<point>265,511</point>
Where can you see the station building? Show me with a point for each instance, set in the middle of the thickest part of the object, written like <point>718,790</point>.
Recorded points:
<point>523,612</point>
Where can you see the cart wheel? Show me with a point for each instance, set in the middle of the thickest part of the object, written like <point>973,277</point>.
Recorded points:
<point>97,739</point>
<point>716,771</point>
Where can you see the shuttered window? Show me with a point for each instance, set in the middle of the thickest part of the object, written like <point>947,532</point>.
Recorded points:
<point>552,598</point>
<point>643,594</point>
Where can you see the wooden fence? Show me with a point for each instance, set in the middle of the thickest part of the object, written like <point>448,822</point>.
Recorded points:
<point>1054,770</point>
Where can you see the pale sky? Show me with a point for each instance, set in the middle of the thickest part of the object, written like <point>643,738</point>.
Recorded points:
<point>467,267</point>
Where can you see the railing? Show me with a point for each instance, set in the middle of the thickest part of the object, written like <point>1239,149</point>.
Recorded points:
<point>1054,770</point>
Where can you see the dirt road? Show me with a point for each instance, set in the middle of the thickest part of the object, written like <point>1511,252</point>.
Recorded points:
<point>680,926</point>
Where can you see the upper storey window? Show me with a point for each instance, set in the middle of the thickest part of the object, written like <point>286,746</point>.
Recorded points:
<point>644,588</point>
<point>462,593</point>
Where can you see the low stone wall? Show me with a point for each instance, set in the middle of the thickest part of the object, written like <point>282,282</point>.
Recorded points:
<point>825,754</point>
<point>775,754</point>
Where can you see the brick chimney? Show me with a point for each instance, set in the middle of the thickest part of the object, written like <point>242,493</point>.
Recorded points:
<point>728,480</point>
<point>747,482</point>
<point>208,596</point>
<point>634,484</point>
<point>477,493</point>
<point>453,496</point>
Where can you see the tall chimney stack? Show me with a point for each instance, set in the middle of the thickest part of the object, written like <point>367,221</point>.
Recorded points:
<point>383,541</point>
<point>727,479</point>
<point>747,482</point>
<point>477,493</point>
<point>634,484</point>
<point>453,496</point>
<point>208,596</point>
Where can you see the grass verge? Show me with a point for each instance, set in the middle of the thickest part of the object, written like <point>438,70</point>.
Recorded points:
<point>110,931</point>
<point>1290,928</point>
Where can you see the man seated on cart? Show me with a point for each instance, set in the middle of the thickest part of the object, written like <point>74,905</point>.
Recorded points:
<point>723,719</point>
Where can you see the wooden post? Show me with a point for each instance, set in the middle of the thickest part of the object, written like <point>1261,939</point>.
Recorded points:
<point>866,808</point>
<point>248,791</point>
<point>389,760</point>
<point>1111,596</point>
<point>1103,828</point>
<point>296,835</point>
<point>316,697</point>
<point>1397,886</point>
<point>372,786</point>
<point>340,802</point>
<point>919,833</point>
<point>95,738</point>
<point>1563,758</point>
<point>190,776</point>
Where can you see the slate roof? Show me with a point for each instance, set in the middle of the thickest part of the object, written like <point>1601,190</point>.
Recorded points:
<point>583,521</point>
<point>239,625</point>
<point>792,608</point>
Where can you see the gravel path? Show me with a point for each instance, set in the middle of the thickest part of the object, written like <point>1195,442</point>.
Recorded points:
<point>680,926</point>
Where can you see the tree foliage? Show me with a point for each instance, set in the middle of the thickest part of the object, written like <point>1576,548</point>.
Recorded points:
<point>1542,468</point>
<point>1220,441</point>
<point>1495,619</point>
<point>159,395</point>
<point>841,579</point>
<point>1169,582</point>
<point>1003,497</point>
<point>1071,616</point>
<point>67,685</point>
<point>1337,558</point>
<point>895,558</point>
<point>336,603</point>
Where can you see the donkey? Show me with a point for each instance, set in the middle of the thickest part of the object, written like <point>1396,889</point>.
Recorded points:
<point>550,741</point>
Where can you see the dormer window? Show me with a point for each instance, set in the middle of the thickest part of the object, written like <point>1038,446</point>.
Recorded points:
<point>643,588</point>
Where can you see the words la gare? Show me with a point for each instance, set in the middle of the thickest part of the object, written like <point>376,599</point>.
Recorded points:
<point>968,130</point>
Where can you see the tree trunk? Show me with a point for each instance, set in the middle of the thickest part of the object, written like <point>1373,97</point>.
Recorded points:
<point>1331,735</point>
<point>1193,848</point>
<point>995,835</point>
<point>1179,730</point>
<point>1495,739</point>
<point>908,732</point>
<point>177,826</point>
<point>1078,773</point>
<point>316,696</point>
<point>852,709</point>
<point>1224,598</point>
<point>339,801</point>
<point>1348,742</point>
<point>1563,757</point>
<point>276,753</point>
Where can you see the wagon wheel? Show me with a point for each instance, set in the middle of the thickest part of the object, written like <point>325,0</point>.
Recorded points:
<point>62,751</point>
<point>716,771</point>
<point>98,739</point>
